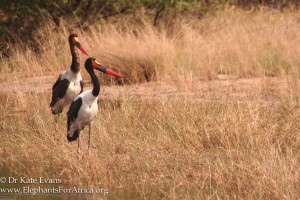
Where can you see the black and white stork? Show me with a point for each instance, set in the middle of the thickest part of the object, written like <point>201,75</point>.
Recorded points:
<point>69,83</point>
<point>84,108</point>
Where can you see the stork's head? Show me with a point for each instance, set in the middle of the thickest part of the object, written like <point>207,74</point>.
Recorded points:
<point>73,40</point>
<point>92,63</point>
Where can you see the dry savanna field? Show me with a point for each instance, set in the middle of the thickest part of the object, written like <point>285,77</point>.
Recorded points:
<point>206,109</point>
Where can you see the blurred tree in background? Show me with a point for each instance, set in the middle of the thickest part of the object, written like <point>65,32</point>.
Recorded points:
<point>19,19</point>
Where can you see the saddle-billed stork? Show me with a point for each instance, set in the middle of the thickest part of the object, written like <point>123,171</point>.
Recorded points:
<point>69,83</point>
<point>84,108</point>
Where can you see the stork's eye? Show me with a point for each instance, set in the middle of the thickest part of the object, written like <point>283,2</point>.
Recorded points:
<point>96,63</point>
<point>75,40</point>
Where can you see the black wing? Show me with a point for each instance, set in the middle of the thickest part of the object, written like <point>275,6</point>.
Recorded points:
<point>81,85</point>
<point>73,111</point>
<point>59,90</point>
<point>57,82</point>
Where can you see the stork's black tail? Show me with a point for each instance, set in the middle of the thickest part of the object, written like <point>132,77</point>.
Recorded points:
<point>74,137</point>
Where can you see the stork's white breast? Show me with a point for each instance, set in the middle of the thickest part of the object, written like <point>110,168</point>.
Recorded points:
<point>88,109</point>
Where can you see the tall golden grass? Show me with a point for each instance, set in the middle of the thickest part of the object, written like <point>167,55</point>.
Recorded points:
<point>159,150</point>
<point>166,149</point>
<point>230,42</point>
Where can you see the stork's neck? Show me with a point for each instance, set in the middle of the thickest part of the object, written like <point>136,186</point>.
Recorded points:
<point>96,83</point>
<point>75,59</point>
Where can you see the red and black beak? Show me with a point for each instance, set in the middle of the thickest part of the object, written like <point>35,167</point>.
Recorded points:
<point>103,69</point>
<point>78,45</point>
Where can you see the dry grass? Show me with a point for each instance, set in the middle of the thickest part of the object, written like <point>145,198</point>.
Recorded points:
<point>231,42</point>
<point>168,149</point>
<point>161,149</point>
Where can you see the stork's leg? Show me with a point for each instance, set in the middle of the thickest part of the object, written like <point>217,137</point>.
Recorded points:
<point>56,118</point>
<point>56,123</point>
<point>78,150</point>
<point>89,137</point>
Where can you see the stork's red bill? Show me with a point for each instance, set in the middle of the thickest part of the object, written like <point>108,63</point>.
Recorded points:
<point>98,66</point>
<point>78,45</point>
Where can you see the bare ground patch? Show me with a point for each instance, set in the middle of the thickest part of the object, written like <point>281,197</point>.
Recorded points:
<point>225,88</point>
